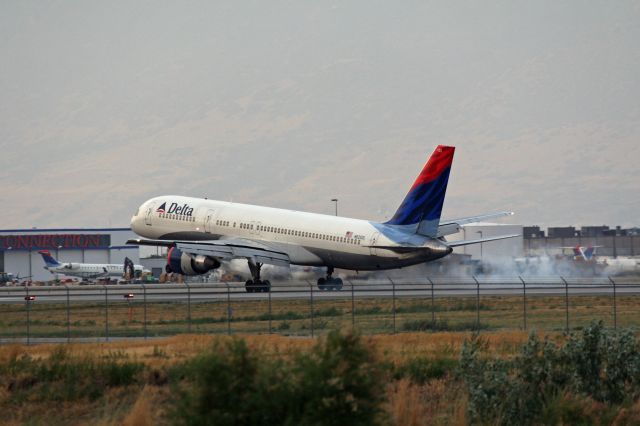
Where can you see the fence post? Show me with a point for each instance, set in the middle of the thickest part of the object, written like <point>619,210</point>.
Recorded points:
<point>106,313</point>
<point>353,307</point>
<point>144,300</point>
<point>28,306</point>
<point>270,315</point>
<point>566,303</point>
<point>477,303</point>
<point>228,309</point>
<point>524,302</point>
<point>311,304</point>
<point>615,308</point>
<point>68,317</point>
<point>188,307</point>
<point>393,299</point>
<point>433,306</point>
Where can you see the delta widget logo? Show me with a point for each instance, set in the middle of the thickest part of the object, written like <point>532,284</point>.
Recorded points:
<point>174,208</point>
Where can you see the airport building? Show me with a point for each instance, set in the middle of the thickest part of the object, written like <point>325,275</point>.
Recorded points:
<point>19,248</point>
<point>611,242</point>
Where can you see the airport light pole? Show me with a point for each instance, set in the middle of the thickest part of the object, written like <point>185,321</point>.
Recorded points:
<point>335,200</point>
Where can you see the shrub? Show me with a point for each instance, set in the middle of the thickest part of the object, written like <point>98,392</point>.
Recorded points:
<point>598,364</point>
<point>228,385</point>
<point>337,383</point>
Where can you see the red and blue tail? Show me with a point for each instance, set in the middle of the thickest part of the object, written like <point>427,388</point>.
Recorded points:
<point>48,259</point>
<point>420,211</point>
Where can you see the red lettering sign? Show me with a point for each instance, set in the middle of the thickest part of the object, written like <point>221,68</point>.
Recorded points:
<point>54,241</point>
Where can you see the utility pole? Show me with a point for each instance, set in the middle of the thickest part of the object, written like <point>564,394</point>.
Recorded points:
<point>480,232</point>
<point>335,200</point>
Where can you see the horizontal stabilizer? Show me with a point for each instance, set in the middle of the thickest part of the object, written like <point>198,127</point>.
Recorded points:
<point>481,240</point>
<point>448,227</point>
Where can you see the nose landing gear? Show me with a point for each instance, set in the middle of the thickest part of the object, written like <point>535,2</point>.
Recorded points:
<point>256,285</point>
<point>329,283</point>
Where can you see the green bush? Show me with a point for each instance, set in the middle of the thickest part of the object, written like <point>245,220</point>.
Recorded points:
<point>337,383</point>
<point>597,364</point>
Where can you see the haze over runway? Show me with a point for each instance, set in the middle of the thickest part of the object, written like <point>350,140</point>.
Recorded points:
<point>290,104</point>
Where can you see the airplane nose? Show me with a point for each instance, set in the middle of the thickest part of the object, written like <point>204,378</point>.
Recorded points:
<point>135,219</point>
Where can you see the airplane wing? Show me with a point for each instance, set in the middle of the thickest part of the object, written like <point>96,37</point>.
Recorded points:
<point>225,249</point>
<point>448,227</point>
<point>481,240</point>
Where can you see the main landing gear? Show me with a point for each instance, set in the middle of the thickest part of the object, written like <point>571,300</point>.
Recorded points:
<point>330,283</point>
<point>256,285</point>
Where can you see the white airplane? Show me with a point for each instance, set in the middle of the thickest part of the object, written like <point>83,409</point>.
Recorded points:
<point>85,270</point>
<point>200,233</point>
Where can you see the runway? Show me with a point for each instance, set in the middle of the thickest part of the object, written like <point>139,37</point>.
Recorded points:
<point>206,292</point>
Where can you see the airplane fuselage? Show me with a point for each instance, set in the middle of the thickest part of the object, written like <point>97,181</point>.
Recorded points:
<point>308,239</point>
<point>89,270</point>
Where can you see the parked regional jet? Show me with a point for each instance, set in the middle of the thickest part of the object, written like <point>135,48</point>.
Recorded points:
<point>85,270</point>
<point>201,233</point>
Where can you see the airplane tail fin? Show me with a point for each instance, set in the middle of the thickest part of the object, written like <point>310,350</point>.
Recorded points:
<point>48,259</point>
<point>589,252</point>
<point>577,252</point>
<point>421,208</point>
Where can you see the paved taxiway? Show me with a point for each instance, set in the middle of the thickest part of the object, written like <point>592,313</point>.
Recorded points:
<point>364,289</point>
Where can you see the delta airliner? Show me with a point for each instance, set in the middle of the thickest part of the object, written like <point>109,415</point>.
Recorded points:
<point>200,233</point>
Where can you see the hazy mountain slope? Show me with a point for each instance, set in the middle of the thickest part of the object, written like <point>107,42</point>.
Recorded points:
<point>289,104</point>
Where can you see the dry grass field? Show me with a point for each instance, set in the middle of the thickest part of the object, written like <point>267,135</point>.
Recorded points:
<point>437,401</point>
<point>421,385</point>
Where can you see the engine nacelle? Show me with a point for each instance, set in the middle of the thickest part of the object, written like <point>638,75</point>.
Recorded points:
<point>186,264</point>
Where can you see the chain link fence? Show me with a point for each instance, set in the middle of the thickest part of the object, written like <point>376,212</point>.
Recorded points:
<point>103,313</point>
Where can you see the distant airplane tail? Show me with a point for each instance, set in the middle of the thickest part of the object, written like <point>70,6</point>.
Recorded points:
<point>589,252</point>
<point>48,259</point>
<point>583,253</point>
<point>421,208</point>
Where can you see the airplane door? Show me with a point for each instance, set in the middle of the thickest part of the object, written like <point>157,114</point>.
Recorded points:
<point>147,216</point>
<point>373,242</point>
<point>208,221</point>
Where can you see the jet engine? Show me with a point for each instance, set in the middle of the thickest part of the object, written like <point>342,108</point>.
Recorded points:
<point>188,264</point>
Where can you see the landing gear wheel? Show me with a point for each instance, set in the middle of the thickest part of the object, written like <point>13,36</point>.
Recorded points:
<point>330,283</point>
<point>322,284</point>
<point>256,285</point>
<point>337,284</point>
